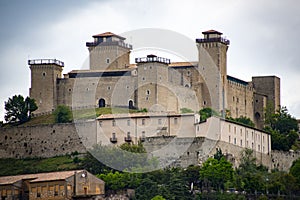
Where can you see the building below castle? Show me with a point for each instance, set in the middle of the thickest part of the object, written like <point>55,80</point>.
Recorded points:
<point>153,82</point>
<point>62,185</point>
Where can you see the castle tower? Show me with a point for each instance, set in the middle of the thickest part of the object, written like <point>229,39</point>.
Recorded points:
<point>44,75</point>
<point>108,51</point>
<point>267,91</point>
<point>153,88</point>
<point>212,49</point>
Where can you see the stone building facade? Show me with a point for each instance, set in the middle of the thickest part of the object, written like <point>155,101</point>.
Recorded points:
<point>153,82</point>
<point>53,185</point>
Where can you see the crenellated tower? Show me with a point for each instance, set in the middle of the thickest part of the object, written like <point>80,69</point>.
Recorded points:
<point>212,50</point>
<point>108,51</point>
<point>44,77</point>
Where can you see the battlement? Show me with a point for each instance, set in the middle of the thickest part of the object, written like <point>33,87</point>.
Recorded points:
<point>220,39</point>
<point>153,58</point>
<point>46,62</point>
<point>109,43</point>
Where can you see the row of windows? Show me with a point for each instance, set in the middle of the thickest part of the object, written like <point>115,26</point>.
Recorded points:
<point>258,136</point>
<point>247,143</point>
<point>143,122</point>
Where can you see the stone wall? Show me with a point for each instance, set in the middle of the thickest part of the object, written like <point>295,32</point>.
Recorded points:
<point>59,139</point>
<point>45,140</point>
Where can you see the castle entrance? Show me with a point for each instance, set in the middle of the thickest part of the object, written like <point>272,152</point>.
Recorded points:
<point>101,103</point>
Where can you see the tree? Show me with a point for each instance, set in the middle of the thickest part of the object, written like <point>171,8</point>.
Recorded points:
<point>282,127</point>
<point>62,114</point>
<point>18,109</point>
<point>206,113</point>
<point>158,197</point>
<point>295,171</point>
<point>216,172</point>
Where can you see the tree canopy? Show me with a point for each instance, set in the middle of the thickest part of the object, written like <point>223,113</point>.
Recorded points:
<point>18,109</point>
<point>283,128</point>
<point>62,114</point>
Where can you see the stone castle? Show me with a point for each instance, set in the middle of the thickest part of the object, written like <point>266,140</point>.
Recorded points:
<point>153,82</point>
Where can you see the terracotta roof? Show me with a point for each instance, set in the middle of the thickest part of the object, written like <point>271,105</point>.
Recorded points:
<point>50,176</point>
<point>180,64</point>
<point>212,31</point>
<point>108,34</point>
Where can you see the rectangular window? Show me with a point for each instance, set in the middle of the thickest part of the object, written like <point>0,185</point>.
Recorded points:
<point>229,127</point>
<point>252,145</point>
<point>229,139</point>
<point>234,141</point>
<point>234,130</point>
<point>175,120</point>
<point>247,144</point>
<point>143,121</point>
<point>258,147</point>
<point>159,121</point>
<point>113,122</point>
<point>128,122</point>
<point>241,132</point>
<point>241,143</point>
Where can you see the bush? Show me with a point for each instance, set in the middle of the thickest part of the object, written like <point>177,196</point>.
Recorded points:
<point>63,114</point>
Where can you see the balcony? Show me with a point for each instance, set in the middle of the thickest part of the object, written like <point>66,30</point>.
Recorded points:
<point>143,139</point>
<point>219,39</point>
<point>113,140</point>
<point>128,139</point>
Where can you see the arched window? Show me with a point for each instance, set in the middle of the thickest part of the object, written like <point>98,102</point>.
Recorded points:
<point>101,103</point>
<point>130,104</point>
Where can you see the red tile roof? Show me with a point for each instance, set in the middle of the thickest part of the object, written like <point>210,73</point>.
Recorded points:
<point>108,34</point>
<point>212,31</point>
<point>50,176</point>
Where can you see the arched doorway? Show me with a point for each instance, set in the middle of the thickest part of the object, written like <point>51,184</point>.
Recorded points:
<point>130,104</point>
<point>101,103</point>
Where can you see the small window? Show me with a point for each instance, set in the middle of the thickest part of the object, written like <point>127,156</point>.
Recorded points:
<point>143,121</point>
<point>229,127</point>
<point>241,142</point>
<point>159,121</point>
<point>143,134</point>
<point>175,120</point>
<point>128,134</point>
<point>113,135</point>
<point>229,138</point>
<point>107,60</point>
<point>100,123</point>
<point>128,122</point>
<point>114,123</point>
<point>234,141</point>
<point>204,102</point>
<point>44,74</point>
<point>143,78</point>
<point>108,88</point>
<point>147,92</point>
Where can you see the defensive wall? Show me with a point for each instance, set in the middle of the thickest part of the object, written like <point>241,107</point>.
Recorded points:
<point>60,139</point>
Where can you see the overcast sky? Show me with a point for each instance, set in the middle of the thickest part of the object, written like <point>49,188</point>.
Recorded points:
<point>264,35</point>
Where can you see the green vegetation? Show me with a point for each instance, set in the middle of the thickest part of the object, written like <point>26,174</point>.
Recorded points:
<point>36,165</point>
<point>216,179</point>
<point>206,113</point>
<point>19,110</point>
<point>186,110</point>
<point>82,114</point>
<point>283,128</point>
<point>62,114</point>
<point>243,120</point>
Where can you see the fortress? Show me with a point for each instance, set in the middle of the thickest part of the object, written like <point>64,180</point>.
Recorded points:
<point>153,82</point>
<point>164,88</point>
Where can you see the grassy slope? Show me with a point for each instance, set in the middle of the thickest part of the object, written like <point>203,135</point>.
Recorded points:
<point>36,165</point>
<point>77,114</point>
